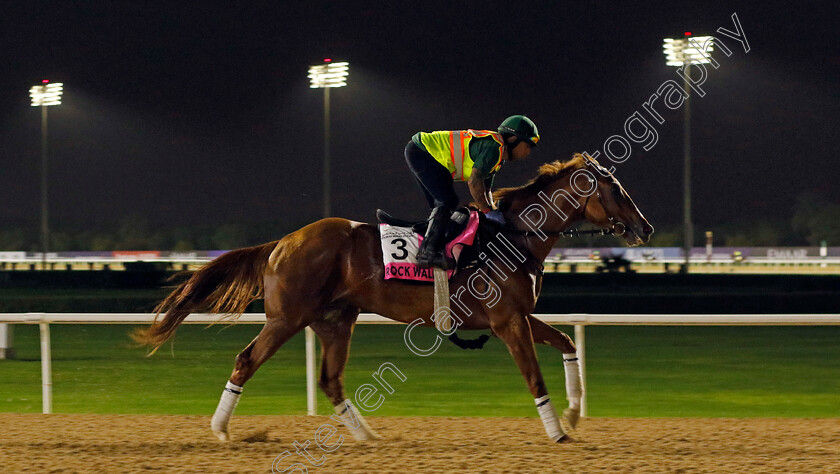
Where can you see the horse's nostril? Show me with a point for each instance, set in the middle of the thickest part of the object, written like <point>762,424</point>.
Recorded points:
<point>647,230</point>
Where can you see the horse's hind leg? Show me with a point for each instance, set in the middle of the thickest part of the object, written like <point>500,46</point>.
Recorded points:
<point>271,337</point>
<point>335,331</point>
<point>516,333</point>
<point>542,333</point>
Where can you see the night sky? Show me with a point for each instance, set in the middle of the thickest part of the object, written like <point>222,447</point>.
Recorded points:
<point>202,114</point>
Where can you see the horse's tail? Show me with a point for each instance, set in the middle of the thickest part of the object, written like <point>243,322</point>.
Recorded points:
<point>228,285</point>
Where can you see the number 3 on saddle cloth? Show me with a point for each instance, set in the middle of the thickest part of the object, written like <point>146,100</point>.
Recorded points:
<point>401,242</point>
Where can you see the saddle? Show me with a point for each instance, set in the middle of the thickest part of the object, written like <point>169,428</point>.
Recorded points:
<point>468,257</point>
<point>400,240</point>
<point>457,223</point>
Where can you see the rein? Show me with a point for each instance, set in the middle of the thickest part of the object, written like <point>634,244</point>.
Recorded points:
<point>565,233</point>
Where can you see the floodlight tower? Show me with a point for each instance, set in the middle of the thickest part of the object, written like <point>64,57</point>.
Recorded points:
<point>683,52</point>
<point>326,76</point>
<point>323,76</point>
<point>44,95</point>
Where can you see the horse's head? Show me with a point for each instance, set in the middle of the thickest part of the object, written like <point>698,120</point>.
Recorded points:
<point>565,192</point>
<point>609,206</point>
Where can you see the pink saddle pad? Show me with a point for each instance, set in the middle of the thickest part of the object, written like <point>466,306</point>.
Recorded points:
<point>400,245</point>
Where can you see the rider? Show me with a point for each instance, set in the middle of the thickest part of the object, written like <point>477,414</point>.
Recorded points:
<point>437,159</point>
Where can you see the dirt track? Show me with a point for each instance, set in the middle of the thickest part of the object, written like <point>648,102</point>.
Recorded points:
<point>128,443</point>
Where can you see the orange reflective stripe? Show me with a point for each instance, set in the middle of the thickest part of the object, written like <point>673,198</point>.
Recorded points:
<point>457,155</point>
<point>498,163</point>
<point>452,154</point>
<point>464,137</point>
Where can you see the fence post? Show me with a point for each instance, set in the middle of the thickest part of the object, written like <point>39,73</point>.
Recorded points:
<point>7,345</point>
<point>311,401</point>
<point>46,368</point>
<point>580,343</point>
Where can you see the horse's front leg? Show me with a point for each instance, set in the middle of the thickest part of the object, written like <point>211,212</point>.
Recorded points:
<point>542,333</point>
<point>516,333</point>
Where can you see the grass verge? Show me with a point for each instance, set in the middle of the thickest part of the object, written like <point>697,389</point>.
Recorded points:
<point>631,371</point>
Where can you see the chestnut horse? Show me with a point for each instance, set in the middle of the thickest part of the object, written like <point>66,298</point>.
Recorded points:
<point>324,274</point>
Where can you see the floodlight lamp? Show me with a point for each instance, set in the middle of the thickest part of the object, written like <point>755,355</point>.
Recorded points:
<point>328,75</point>
<point>46,94</point>
<point>692,50</point>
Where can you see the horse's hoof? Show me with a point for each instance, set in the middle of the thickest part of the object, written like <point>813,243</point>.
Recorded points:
<point>572,416</point>
<point>222,435</point>
<point>565,439</point>
<point>361,435</point>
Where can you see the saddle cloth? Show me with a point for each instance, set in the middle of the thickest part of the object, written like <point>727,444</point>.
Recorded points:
<point>400,245</point>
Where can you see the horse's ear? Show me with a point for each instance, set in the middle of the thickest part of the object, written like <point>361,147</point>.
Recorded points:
<point>589,161</point>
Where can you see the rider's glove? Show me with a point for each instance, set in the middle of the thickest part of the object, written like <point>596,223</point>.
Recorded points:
<point>496,216</point>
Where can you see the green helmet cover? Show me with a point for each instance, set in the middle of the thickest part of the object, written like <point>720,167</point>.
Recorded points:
<point>522,127</point>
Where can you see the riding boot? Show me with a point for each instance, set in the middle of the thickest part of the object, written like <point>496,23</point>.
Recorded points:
<point>430,253</point>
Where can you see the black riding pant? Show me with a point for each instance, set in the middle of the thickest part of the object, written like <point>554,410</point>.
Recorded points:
<point>434,179</point>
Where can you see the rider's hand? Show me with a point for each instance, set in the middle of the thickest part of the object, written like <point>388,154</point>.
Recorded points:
<point>496,216</point>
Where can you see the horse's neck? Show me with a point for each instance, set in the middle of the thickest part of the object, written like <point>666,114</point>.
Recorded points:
<point>554,223</point>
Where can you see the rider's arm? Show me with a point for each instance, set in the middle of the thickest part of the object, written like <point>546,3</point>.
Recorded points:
<point>479,191</point>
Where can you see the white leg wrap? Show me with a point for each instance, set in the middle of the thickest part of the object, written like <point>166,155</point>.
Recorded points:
<point>348,414</point>
<point>573,385</point>
<point>227,404</point>
<point>549,418</point>
<point>574,389</point>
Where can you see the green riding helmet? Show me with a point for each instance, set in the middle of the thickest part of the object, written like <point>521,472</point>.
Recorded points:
<point>522,127</point>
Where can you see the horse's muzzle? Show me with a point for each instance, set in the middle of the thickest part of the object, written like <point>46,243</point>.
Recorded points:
<point>637,234</point>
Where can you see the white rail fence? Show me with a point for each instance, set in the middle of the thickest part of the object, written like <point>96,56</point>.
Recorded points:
<point>579,321</point>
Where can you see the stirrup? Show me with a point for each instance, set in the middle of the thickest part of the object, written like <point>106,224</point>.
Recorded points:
<point>437,259</point>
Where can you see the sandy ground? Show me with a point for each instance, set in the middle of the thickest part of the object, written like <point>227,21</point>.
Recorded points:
<point>144,443</point>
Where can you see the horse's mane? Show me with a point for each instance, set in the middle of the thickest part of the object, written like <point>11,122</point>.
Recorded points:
<point>549,172</point>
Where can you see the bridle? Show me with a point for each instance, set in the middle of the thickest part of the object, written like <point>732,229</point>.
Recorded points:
<point>611,230</point>
<point>536,266</point>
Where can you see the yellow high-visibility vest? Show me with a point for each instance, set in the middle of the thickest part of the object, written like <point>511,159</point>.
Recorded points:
<point>452,150</point>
